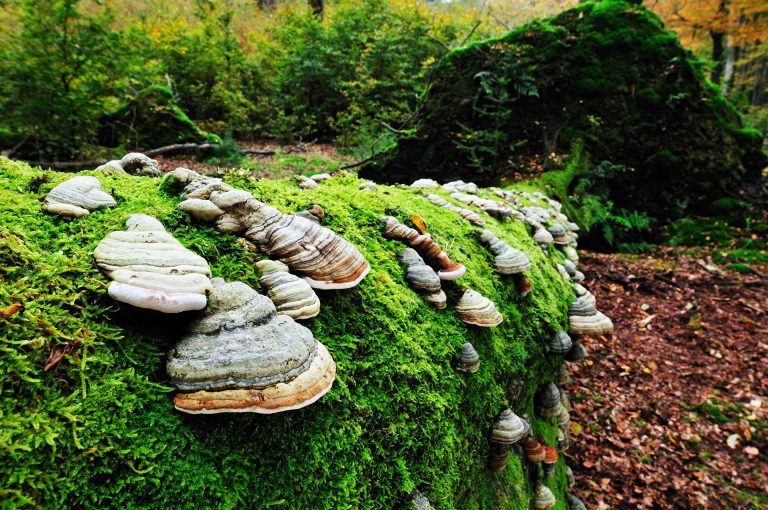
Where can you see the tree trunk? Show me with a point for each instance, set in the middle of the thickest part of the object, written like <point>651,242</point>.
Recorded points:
<point>317,7</point>
<point>731,54</point>
<point>717,55</point>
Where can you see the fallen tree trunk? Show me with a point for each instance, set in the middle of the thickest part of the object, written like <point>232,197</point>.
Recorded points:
<point>178,148</point>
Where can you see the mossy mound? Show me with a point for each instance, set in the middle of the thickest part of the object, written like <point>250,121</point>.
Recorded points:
<point>604,73</point>
<point>99,429</point>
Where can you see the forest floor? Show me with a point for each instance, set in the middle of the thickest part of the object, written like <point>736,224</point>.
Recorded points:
<point>669,412</point>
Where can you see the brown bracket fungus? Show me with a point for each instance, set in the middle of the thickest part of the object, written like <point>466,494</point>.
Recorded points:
<point>534,452</point>
<point>315,213</point>
<point>559,234</point>
<point>318,254</point>
<point>550,461</point>
<point>423,278</point>
<point>475,309</point>
<point>150,269</point>
<point>77,197</point>
<point>425,247</point>
<point>291,295</point>
<point>240,356</point>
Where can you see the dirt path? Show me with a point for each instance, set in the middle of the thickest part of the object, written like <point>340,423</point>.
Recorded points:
<point>674,403</point>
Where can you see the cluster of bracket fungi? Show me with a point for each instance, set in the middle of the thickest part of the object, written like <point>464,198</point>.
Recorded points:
<point>245,352</point>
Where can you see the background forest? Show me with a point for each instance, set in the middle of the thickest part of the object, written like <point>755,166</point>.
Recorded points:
<point>85,79</point>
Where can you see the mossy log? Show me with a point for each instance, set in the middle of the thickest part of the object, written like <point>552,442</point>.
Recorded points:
<point>99,430</point>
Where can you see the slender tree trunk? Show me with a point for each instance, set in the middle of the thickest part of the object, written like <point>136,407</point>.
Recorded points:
<point>717,55</point>
<point>731,54</point>
<point>317,7</point>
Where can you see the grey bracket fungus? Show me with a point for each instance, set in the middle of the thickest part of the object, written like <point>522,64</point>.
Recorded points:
<point>547,400</point>
<point>543,497</point>
<point>577,353</point>
<point>291,295</point>
<point>423,278</point>
<point>468,215</point>
<point>561,343</point>
<point>543,237</point>
<point>308,184</point>
<point>508,261</point>
<point>240,356</point>
<point>584,319</point>
<point>574,503</point>
<point>508,429</point>
<point>559,234</point>
<point>77,197</point>
<point>475,309</point>
<point>136,163</point>
<point>425,247</point>
<point>315,252</point>
<point>368,186</point>
<point>470,359</point>
<point>420,502</point>
<point>320,177</point>
<point>425,184</point>
<point>150,269</point>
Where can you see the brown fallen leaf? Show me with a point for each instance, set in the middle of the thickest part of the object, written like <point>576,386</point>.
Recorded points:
<point>8,311</point>
<point>420,223</point>
<point>751,451</point>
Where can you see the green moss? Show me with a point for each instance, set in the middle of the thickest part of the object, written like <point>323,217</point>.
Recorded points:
<point>99,429</point>
<point>605,75</point>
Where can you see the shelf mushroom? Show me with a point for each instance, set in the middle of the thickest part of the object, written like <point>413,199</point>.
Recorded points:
<point>543,498</point>
<point>426,248</point>
<point>150,269</point>
<point>507,431</point>
<point>508,261</point>
<point>291,295</point>
<point>240,356</point>
<point>475,309</point>
<point>322,257</point>
<point>547,400</point>
<point>470,359</point>
<point>423,278</point>
<point>77,197</point>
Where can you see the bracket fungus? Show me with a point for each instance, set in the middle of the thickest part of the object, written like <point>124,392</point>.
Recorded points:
<point>150,269</point>
<point>475,309</point>
<point>423,278</point>
<point>547,400</point>
<point>240,356</point>
<point>425,184</point>
<point>559,234</point>
<point>584,319</point>
<point>470,216</point>
<point>369,186</point>
<point>470,359</point>
<point>550,461</point>
<point>461,186</point>
<point>574,503</point>
<point>534,452</point>
<point>542,237</point>
<point>77,197</point>
<point>136,163</point>
<point>315,213</point>
<point>425,247</point>
<point>561,343</point>
<point>320,177</point>
<point>318,254</point>
<point>508,261</point>
<point>578,352</point>
<point>543,498</point>
<point>291,295</point>
<point>507,431</point>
